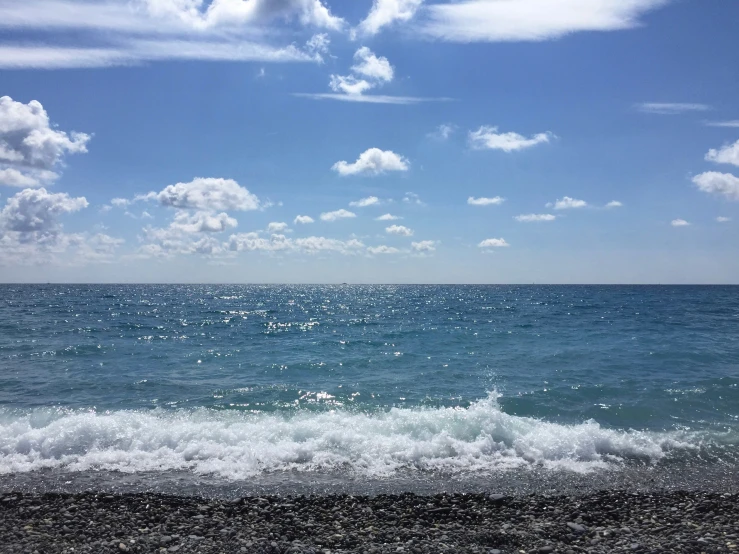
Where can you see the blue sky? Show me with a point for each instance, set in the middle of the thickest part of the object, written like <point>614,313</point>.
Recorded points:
<point>512,141</point>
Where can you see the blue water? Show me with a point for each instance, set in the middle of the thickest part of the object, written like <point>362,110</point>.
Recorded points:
<point>238,381</point>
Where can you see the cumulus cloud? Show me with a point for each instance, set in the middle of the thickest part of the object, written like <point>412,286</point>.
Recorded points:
<point>494,201</point>
<point>303,219</point>
<point>399,230</point>
<point>31,149</point>
<point>671,108</point>
<point>713,182</point>
<point>679,223</point>
<point>203,222</point>
<point>364,202</point>
<point>383,249</point>
<point>367,64</point>
<point>488,138</point>
<point>31,231</point>
<point>530,20</point>
<point>36,211</point>
<point>424,246</point>
<point>614,204</point>
<point>277,227</point>
<point>530,218</point>
<point>387,217</point>
<point>373,162</point>
<point>567,203</point>
<point>369,71</point>
<point>727,154</point>
<point>722,219</point>
<point>337,214</point>
<point>493,243</point>
<point>207,194</point>
<point>386,12</point>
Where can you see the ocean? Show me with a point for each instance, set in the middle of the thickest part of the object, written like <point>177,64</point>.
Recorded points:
<point>181,388</point>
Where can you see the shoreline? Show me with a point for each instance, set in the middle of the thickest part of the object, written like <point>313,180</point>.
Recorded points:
<point>600,522</point>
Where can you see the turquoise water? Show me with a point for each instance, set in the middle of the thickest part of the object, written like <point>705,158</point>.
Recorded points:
<point>240,381</point>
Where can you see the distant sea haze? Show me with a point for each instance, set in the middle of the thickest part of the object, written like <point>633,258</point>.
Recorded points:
<point>236,382</point>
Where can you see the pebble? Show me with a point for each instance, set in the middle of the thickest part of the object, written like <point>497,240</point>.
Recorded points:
<point>602,522</point>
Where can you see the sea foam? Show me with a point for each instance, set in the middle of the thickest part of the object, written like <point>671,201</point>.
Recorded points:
<point>237,445</point>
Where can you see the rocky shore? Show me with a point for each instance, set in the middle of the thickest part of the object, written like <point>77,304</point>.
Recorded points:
<point>602,522</point>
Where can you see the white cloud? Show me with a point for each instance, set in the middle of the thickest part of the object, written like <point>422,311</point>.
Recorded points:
<point>364,202</point>
<point>714,182</point>
<point>671,108</point>
<point>400,230</point>
<point>382,249</point>
<point>336,215</point>
<point>679,223</point>
<point>529,218</point>
<point>318,44</point>
<point>614,204</point>
<point>488,138</point>
<point>493,243</point>
<point>27,178</point>
<point>567,203</point>
<point>732,124</point>
<point>120,202</point>
<point>727,154</point>
<point>367,64</point>
<point>280,243</point>
<point>303,219</point>
<point>30,147</point>
<point>424,246</point>
<point>349,85</point>
<point>494,201</point>
<point>722,219</point>
<point>373,162</point>
<point>387,217</point>
<point>412,198</point>
<point>35,211</point>
<point>386,12</point>
<point>530,20</point>
<point>236,30</point>
<point>277,227</point>
<point>368,72</point>
<point>443,131</point>
<point>203,222</point>
<point>207,194</point>
<point>370,98</point>
<point>31,233</point>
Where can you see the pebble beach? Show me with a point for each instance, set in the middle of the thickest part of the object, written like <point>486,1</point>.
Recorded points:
<point>601,522</point>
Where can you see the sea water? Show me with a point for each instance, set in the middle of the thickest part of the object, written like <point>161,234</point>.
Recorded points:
<point>233,383</point>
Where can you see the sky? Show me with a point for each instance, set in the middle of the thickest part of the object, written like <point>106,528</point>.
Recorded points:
<point>369,141</point>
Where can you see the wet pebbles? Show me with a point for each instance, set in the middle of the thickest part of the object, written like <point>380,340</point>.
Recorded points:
<point>602,522</point>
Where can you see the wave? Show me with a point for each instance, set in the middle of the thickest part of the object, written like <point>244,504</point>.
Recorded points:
<point>238,445</point>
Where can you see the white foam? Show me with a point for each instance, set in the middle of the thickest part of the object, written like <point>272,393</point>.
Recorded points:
<point>236,445</point>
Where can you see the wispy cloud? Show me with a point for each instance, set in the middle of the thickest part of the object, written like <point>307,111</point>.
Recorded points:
<point>679,223</point>
<point>488,138</point>
<point>567,203</point>
<point>494,201</point>
<point>151,30</point>
<point>671,108</point>
<point>531,218</point>
<point>731,123</point>
<point>529,20</point>
<point>370,98</point>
